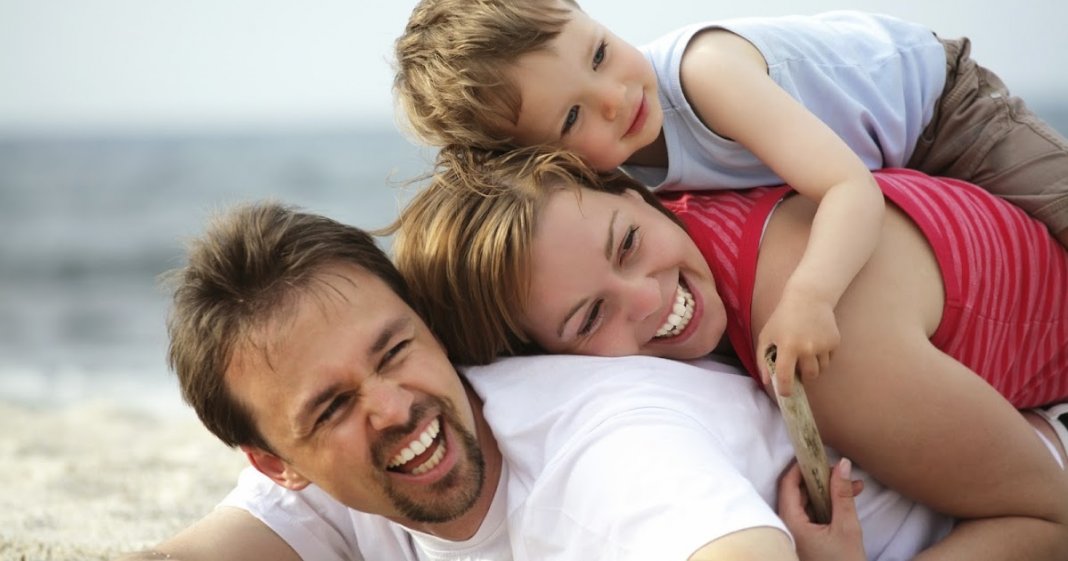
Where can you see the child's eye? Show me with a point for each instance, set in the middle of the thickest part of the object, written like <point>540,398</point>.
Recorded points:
<point>569,121</point>
<point>627,244</point>
<point>598,55</point>
<point>591,318</point>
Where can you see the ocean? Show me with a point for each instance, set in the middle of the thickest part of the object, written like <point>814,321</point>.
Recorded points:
<point>88,224</point>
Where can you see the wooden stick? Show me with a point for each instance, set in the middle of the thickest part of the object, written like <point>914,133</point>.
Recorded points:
<point>808,446</point>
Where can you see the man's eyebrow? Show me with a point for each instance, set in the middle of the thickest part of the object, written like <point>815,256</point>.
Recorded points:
<point>388,332</point>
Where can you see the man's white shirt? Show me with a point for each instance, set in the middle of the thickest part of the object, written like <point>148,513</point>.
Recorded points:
<point>629,458</point>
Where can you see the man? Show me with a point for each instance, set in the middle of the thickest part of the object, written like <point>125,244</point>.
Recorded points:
<point>293,339</point>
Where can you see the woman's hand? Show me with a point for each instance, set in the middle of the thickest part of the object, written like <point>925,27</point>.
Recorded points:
<point>842,539</point>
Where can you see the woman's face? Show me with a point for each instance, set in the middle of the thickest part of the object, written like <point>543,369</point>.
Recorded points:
<point>612,276</point>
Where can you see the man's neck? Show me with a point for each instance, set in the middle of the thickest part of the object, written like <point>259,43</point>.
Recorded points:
<point>467,525</point>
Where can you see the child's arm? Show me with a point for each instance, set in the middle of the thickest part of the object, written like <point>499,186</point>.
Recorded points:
<point>725,79</point>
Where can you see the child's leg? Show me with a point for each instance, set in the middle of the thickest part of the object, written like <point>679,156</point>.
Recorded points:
<point>982,134</point>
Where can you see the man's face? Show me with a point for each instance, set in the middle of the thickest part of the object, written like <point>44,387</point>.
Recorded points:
<point>354,394</point>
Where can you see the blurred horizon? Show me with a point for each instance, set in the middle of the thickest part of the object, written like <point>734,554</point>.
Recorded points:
<point>124,124</point>
<point>129,66</point>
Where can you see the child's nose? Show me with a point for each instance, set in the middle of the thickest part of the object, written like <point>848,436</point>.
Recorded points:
<point>611,100</point>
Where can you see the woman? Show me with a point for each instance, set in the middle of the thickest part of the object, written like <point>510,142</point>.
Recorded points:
<point>532,252</point>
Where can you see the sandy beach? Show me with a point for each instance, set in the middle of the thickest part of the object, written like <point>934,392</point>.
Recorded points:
<point>91,480</point>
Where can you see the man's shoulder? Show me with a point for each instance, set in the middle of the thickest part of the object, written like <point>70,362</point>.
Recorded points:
<point>540,404</point>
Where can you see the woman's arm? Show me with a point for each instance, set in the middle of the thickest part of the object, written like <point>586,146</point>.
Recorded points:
<point>914,417</point>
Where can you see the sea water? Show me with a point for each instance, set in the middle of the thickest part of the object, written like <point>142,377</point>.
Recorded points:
<point>88,224</point>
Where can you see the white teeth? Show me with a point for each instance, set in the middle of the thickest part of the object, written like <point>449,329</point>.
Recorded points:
<point>681,313</point>
<point>432,462</point>
<point>420,445</point>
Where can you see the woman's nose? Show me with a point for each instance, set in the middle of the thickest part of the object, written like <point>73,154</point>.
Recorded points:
<point>643,298</point>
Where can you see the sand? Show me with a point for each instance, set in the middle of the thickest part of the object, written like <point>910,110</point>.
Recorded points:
<point>92,480</point>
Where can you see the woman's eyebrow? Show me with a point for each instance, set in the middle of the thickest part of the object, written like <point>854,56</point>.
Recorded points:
<point>609,246</point>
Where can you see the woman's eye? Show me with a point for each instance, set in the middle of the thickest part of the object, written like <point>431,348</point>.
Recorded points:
<point>569,121</point>
<point>628,242</point>
<point>598,55</point>
<point>591,318</point>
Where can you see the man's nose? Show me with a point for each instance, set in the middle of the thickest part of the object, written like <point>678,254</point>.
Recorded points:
<point>388,404</point>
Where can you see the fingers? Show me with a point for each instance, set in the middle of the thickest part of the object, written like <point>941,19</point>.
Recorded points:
<point>786,362</point>
<point>792,497</point>
<point>843,493</point>
<point>809,366</point>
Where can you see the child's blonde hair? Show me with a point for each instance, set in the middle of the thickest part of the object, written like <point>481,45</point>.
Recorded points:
<point>449,65</point>
<point>463,243</point>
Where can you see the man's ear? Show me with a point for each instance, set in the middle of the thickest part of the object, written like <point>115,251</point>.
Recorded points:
<point>276,468</point>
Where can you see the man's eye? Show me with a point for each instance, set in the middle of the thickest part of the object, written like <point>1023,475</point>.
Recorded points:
<point>591,318</point>
<point>394,351</point>
<point>332,408</point>
<point>598,55</point>
<point>569,121</point>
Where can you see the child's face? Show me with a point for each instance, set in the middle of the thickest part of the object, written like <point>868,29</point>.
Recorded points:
<point>609,272</point>
<point>589,92</point>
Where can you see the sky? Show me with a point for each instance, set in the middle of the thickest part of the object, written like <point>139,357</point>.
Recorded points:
<point>73,65</point>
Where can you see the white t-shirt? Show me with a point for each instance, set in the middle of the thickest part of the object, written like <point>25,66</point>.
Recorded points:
<point>609,458</point>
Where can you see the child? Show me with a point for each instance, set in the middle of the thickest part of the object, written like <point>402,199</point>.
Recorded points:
<point>815,102</point>
<point>542,255</point>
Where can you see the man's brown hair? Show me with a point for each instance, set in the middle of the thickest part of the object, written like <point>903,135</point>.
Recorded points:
<point>246,270</point>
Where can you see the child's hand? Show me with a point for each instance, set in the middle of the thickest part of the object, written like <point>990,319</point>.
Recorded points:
<point>842,539</point>
<point>804,332</point>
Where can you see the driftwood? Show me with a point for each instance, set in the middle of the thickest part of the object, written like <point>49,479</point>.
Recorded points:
<point>808,446</point>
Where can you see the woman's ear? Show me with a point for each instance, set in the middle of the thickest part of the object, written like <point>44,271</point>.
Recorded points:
<point>275,468</point>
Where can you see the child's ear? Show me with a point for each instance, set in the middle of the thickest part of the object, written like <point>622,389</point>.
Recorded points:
<point>276,468</point>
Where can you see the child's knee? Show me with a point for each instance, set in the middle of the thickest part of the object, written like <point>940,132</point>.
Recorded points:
<point>1062,237</point>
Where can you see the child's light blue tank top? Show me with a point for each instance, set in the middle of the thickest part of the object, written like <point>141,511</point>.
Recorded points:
<point>873,79</point>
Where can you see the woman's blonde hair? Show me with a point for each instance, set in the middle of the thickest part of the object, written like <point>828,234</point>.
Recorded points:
<point>449,63</point>
<point>463,243</point>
